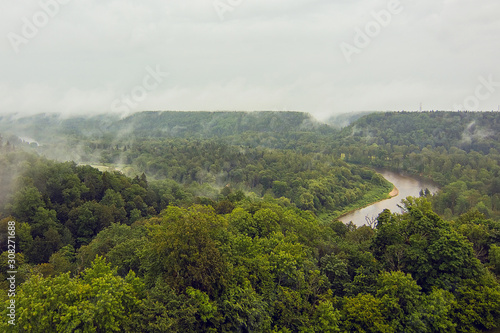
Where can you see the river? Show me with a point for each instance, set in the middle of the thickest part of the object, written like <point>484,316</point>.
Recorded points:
<point>406,185</point>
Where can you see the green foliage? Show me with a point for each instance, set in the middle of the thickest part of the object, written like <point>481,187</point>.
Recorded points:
<point>421,243</point>
<point>224,233</point>
<point>495,259</point>
<point>401,299</point>
<point>310,181</point>
<point>326,318</point>
<point>458,150</point>
<point>184,249</point>
<point>119,244</point>
<point>478,305</point>
<point>364,313</point>
<point>244,310</point>
<point>63,260</point>
<point>26,203</point>
<point>97,300</point>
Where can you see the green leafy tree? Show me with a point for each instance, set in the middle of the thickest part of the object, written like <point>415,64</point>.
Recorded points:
<point>494,256</point>
<point>165,310</point>
<point>364,313</point>
<point>419,242</point>
<point>326,318</point>
<point>26,203</point>
<point>96,301</point>
<point>184,250</point>
<point>401,298</point>
<point>120,244</point>
<point>477,306</point>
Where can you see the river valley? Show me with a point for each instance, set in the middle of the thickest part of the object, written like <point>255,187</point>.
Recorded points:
<point>406,186</point>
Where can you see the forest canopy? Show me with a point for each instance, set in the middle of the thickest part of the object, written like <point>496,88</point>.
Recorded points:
<point>226,222</point>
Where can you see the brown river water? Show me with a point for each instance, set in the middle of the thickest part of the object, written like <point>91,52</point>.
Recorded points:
<point>406,185</point>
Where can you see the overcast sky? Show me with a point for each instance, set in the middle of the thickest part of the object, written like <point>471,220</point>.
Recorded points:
<point>319,56</point>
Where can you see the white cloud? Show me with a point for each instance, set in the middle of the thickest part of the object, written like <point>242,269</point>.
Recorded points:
<point>264,55</point>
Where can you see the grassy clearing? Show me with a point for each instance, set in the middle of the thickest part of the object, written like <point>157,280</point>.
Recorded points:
<point>123,168</point>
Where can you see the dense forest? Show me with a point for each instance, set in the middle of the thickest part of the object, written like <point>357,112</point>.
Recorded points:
<point>458,150</point>
<point>226,222</point>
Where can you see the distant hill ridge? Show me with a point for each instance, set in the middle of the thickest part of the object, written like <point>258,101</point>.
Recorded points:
<point>479,131</point>
<point>196,124</point>
<point>468,130</point>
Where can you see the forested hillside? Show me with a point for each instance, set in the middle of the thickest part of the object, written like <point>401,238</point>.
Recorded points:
<point>219,224</point>
<point>458,150</point>
<point>158,124</point>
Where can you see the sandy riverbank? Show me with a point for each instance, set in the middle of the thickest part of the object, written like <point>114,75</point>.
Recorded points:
<point>394,192</point>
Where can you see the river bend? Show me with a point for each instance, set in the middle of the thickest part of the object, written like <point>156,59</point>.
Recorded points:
<point>406,185</point>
